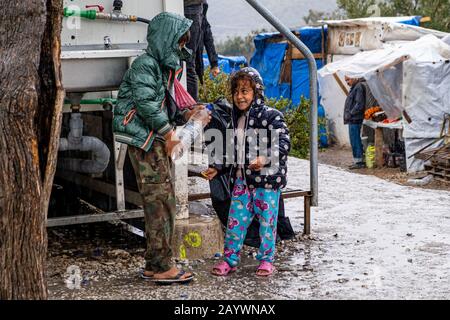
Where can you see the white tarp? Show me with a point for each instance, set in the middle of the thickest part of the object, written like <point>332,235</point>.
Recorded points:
<point>348,37</point>
<point>408,76</point>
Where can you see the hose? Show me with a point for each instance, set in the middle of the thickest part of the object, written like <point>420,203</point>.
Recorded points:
<point>143,20</point>
<point>94,15</point>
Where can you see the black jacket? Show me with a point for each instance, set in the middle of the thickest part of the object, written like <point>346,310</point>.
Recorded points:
<point>355,105</point>
<point>220,187</point>
<point>273,176</point>
<point>201,38</point>
<point>206,41</point>
<point>266,134</point>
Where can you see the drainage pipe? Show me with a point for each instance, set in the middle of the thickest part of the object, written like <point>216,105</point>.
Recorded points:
<point>314,135</point>
<point>76,141</point>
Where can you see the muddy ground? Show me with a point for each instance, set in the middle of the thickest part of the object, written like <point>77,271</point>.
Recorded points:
<point>371,239</point>
<point>342,158</point>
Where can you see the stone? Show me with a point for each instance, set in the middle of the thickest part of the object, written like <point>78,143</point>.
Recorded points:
<point>198,237</point>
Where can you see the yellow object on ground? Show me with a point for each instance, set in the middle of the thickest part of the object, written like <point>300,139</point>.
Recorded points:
<point>370,156</point>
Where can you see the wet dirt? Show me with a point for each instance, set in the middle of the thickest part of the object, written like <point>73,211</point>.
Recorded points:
<point>342,158</point>
<point>371,239</point>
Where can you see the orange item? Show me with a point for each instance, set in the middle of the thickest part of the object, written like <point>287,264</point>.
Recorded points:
<point>371,111</point>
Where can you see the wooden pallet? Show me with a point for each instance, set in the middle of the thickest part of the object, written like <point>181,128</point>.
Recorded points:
<point>439,172</point>
<point>439,158</point>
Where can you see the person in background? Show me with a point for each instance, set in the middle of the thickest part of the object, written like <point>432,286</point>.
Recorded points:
<point>201,37</point>
<point>355,106</point>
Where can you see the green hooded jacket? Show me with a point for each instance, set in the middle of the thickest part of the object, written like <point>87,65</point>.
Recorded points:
<point>141,111</point>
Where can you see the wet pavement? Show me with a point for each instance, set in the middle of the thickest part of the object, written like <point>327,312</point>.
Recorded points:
<point>371,239</point>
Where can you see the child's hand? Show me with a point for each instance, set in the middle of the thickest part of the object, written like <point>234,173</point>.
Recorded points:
<point>210,173</point>
<point>172,143</point>
<point>196,108</point>
<point>192,110</point>
<point>258,163</point>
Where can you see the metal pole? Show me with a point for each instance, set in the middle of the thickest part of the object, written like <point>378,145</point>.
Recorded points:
<point>314,135</point>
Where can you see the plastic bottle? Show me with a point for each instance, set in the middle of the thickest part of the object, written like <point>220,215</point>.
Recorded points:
<point>370,156</point>
<point>191,130</point>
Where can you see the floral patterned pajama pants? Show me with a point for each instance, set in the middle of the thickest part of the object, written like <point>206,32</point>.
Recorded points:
<point>245,205</point>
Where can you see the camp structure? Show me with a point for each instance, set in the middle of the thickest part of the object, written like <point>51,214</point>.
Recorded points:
<point>283,68</point>
<point>347,38</point>
<point>410,80</point>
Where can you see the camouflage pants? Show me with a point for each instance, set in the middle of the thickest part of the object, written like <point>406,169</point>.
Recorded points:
<point>153,175</point>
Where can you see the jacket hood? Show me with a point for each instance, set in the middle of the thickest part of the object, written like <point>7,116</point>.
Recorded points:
<point>164,32</point>
<point>258,101</point>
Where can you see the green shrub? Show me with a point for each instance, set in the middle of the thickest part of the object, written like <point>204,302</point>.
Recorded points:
<point>297,120</point>
<point>214,88</point>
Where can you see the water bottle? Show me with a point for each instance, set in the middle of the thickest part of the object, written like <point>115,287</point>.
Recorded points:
<point>191,130</point>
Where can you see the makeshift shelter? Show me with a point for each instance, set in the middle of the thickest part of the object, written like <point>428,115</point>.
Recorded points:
<point>228,64</point>
<point>283,68</point>
<point>350,37</point>
<point>409,79</point>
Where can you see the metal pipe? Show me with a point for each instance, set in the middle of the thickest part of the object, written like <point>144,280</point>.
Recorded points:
<point>314,134</point>
<point>76,141</point>
<point>101,101</point>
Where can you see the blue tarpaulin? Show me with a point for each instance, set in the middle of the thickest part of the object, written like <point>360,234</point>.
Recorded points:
<point>414,21</point>
<point>269,63</point>
<point>228,64</point>
<point>269,56</point>
<point>300,79</point>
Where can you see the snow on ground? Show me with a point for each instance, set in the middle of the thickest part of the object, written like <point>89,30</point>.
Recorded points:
<point>374,238</point>
<point>401,234</point>
<point>371,239</point>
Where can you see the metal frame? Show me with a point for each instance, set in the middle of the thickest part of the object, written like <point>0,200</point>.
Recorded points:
<point>133,214</point>
<point>289,194</point>
<point>120,152</point>
<point>314,127</point>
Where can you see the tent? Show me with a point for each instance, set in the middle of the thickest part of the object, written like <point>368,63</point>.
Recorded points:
<point>227,64</point>
<point>350,37</point>
<point>283,68</point>
<point>409,79</point>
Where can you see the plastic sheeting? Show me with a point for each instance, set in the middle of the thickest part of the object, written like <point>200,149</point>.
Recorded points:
<point>349,37</point>
<point>383,69</point>
<point>310,36</point>
<point>228,64</point>
<point>300,79</point>
<point>269,56</point>
<point>409,20</point>
<point>268,62</point>
<point>412,76</point>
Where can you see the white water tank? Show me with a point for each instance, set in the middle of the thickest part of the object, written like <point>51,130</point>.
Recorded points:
<point>88,65</point>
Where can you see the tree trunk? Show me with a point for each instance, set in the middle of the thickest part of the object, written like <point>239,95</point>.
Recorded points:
<point>31,98</point>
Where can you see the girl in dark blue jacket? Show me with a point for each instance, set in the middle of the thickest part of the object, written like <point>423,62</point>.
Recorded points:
<point>257,166</point>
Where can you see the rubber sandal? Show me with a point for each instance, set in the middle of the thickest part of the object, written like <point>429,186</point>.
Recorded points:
<point>143,276</point>
<point>222,269</point>
<point>177,279</point>
<point>267,267</point>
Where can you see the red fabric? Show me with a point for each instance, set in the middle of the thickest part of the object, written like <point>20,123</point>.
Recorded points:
<point>182,97</point>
